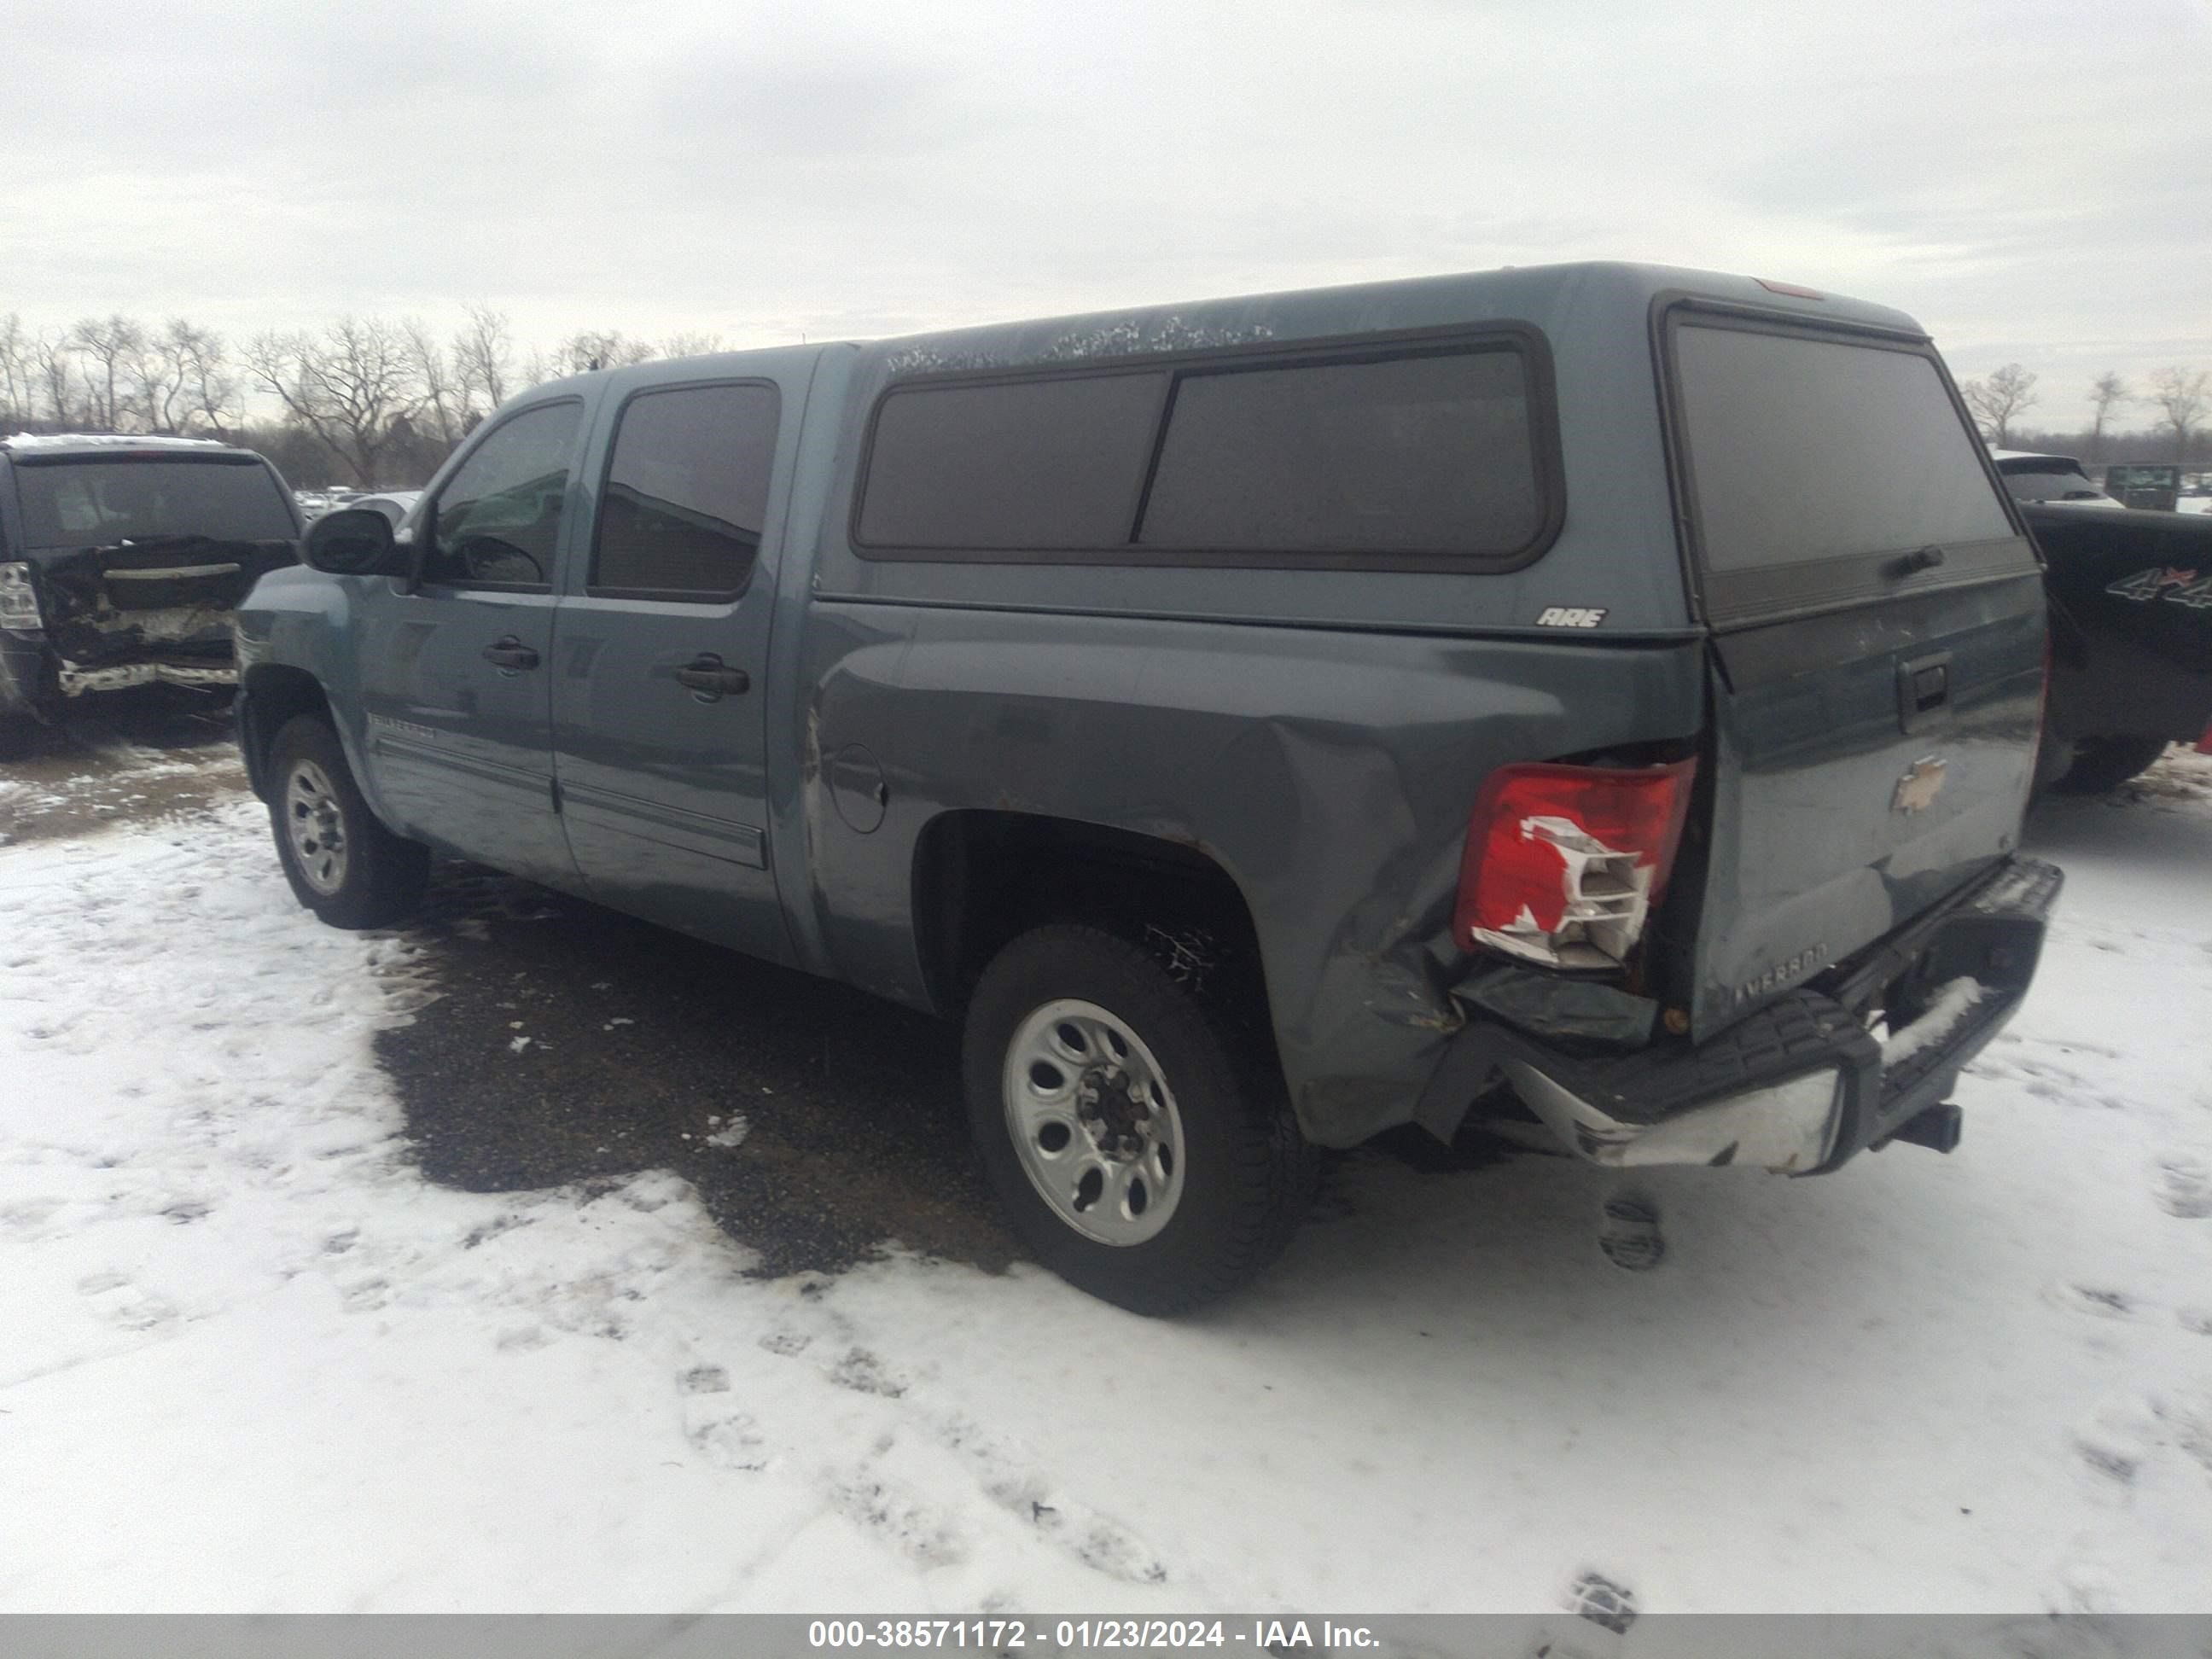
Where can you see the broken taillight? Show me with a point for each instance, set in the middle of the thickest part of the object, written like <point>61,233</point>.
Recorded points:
<point>19,601</point>
<point>1563,863</point>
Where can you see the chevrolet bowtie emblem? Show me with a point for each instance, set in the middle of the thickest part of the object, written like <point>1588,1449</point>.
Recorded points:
<point>1917,789</point>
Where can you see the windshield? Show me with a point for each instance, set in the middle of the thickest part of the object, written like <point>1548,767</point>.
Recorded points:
<point>2051,483</point>
<point>98,503</point>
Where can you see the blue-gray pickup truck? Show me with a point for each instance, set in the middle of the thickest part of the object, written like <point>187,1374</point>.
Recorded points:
<point>1262,722</point>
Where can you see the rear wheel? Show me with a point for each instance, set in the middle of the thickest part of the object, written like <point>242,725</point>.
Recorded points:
<point>1136,1134</point>
<point>2102,763</point>
<point>343,864</point>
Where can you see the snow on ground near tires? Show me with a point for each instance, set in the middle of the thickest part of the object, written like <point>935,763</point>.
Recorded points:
<point>253,1361</point>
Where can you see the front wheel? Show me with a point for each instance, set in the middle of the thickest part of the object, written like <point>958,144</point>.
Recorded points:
<point>1136,1135</point>
<point>343,864</point>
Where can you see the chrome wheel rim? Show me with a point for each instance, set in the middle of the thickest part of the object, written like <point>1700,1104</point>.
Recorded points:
<point>316,828</point>
<point>1093,1122</point>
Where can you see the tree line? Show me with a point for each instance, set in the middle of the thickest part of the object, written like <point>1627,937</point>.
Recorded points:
<point>2177,400</point>
<point>367,401</point>
<point>377,403</point>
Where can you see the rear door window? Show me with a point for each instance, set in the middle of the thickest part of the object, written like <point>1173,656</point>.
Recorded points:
<point>1816,465</point>
<point>686,493</point>
<point>98,503</point>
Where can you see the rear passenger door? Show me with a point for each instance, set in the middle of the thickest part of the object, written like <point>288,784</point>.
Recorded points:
<point>661,646</point>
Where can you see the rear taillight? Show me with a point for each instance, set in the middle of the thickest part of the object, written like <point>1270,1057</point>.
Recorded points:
<point>19,601</point>
<point>1563,862</point>
<point>2204,743</point>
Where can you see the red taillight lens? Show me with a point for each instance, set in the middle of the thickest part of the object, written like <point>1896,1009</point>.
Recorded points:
<point>1563,862</point>
<point>2204,743</point>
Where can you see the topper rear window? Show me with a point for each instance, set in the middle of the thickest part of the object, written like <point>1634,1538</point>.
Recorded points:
<point>1814,462</point>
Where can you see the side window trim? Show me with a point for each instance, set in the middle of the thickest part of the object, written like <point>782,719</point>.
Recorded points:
<point>590,552</point>
<point>426,532</point>
<point>1521,337</point>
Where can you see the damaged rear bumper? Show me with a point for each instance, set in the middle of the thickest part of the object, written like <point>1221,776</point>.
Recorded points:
<point>1803,1084</point>
<point>73,679</point>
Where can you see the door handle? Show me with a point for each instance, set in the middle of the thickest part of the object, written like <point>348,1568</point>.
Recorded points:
<point>706,674</point>
<point>510,652</point>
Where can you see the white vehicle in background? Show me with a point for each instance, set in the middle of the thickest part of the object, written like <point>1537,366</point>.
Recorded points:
<point>393,504</point>
<point>2029,477</point>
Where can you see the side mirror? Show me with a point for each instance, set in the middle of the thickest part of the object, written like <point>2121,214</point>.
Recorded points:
<point>354,542</point>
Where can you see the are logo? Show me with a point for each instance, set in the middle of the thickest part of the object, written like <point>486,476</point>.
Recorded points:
<point>1570,615</point>
<point>2190,588</point>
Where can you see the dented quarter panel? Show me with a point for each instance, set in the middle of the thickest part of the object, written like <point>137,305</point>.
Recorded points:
<point>1330,775</point>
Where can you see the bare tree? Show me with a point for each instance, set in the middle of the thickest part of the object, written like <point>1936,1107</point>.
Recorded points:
<point>151,381</point>
<point>54,366</point>
<point>690,343</point>
<point>208,388</point>
<point>14,373</point>
<point>2182,395</point>
<point>2107,392</point>
<point>442,396</point>
<point>349,386</point>
<point>112,343</point>
<point>1999,400</point>
<point>590,348</point>
<point>481,354</point>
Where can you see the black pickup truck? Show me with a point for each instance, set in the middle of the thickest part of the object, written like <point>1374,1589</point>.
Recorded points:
<point>2131,638</point>
<point>1262,722</point>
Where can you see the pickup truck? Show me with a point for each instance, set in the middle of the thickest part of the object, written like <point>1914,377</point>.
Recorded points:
<point>1262,723</point>
<point>2131,638</point>
<point>120,561</point>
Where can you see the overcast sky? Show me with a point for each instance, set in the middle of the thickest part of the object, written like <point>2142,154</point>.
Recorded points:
<point>2031,179</point>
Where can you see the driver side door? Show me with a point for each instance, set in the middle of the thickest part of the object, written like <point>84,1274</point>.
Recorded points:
<point>455,673</point>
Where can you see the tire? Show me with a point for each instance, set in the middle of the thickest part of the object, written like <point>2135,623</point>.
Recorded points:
<point>343,864</point>
<point>1176,1070</point>
<point>2102,763</point>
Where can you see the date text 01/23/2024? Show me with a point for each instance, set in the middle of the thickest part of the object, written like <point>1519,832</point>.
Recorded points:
<point>1084,1635</point>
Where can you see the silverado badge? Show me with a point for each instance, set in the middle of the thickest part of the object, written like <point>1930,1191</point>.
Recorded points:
<point>1917,789</point>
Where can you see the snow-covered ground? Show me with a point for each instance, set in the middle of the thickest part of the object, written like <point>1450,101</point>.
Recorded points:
<point>251,1360</point>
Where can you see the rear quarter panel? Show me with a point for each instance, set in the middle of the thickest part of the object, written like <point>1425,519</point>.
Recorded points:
<point>1330,774</point>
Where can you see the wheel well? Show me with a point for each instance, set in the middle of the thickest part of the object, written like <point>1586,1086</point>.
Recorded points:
<point>273,694</point>
<point>982,878</point>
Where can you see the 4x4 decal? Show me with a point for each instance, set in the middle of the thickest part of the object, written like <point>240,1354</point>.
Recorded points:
<point>2187,588</point>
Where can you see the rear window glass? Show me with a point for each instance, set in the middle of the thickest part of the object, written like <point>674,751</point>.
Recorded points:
<point>1803,450</point>
<point>1428,451</point>
<point>687,491</point>
<point>1427,454</point>
<point>99,504</point>
<point>1039,465</point>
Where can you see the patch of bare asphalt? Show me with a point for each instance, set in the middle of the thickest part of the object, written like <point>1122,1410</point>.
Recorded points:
<point>569,1043</point>
<point>128,757</point>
